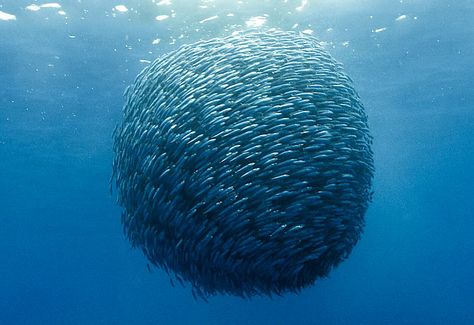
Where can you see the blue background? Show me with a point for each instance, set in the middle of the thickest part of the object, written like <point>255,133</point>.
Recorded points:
<point>63,257</point>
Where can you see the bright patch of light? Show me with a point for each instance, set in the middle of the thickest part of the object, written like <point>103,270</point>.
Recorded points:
<point>379,30</point>
<point>230,15</point>
<point>401,17</point>
<point>294,26</point>
<point>256,21</point>
<point>324,44</point>
<point>6,16</point>
<point>302,5</point>
<point>156,41</point>
<point>51,5</point>
<point>308,31</point>
<point>164,3</point>
<point>161,17</point>
<point>208,19</point>
<point>121,8</point>
<point>145,61</point>
<point>62,13</point>
<point>33,7</point>
<point>345,44</point>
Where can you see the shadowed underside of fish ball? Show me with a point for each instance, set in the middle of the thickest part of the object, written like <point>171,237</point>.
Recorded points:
<point>243,164</point>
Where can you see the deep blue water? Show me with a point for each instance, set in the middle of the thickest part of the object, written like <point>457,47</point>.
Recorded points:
<point>63,256</point>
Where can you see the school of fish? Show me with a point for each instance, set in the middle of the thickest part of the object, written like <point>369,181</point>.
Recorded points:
<point>243,164</point>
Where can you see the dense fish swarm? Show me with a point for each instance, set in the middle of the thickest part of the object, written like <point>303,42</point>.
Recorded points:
<point>243,164</point>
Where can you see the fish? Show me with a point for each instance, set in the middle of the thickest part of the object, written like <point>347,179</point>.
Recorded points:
<point>243,164</point>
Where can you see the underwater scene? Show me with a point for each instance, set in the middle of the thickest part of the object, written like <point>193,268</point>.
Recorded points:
<point>236,162</point>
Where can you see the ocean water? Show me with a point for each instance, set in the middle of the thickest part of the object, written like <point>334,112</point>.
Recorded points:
<point>63,69</point>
